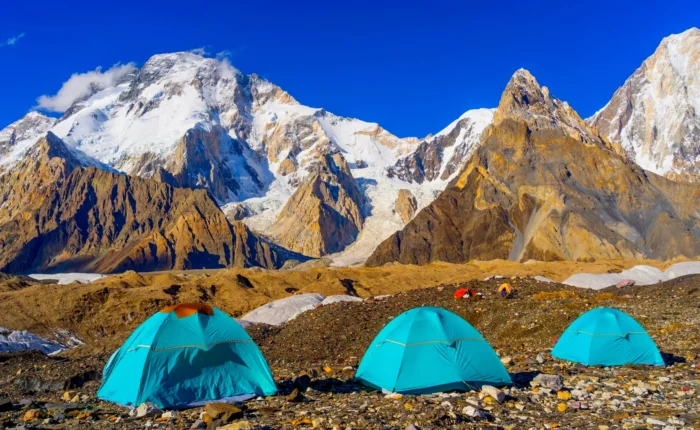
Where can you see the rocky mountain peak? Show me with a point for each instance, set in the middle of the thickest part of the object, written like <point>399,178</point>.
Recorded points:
<point>264,91</point>
<point>542,185</point>
<point>324,214</point>
<point>27,129</point>
<point>525,100</point>
<point>47,162</point>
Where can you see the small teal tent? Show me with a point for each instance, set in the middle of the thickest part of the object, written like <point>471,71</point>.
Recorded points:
<point>183,355</point>
<point>427,350</point>
<point>607,337</point>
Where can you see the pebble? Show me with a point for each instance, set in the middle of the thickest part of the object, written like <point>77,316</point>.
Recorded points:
<point>554,382</point>
<point>473,412</point>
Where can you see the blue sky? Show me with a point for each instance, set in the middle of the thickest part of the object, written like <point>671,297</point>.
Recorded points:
<point>413,67</point>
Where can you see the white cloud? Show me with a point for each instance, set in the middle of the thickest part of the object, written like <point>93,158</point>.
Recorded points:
<point>12,40</point>
<point>202,52</point>
<point>226,70</point>
<point>224,54</point>
<point>81,85</point>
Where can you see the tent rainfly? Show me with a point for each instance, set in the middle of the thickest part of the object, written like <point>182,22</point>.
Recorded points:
<point>186,355</point>
<point>427,350</point>
<point>607,337</point>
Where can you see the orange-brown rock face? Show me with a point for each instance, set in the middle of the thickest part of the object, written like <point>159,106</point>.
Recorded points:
<point>22,187</point>
<point>202,160</point>
<point>87,219</point>
<point>543,185</point>
<point>324,213</point>
<point>405,205</point>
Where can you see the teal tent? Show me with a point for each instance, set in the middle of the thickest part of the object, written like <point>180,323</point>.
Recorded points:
<point>607,337</point>
<point>185,355</point>
<point>427,350</point>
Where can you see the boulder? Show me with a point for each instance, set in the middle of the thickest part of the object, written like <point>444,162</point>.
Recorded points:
<point>494,392</point>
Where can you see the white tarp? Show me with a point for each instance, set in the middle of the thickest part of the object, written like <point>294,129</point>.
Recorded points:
<point>283,310</point>
<point>682,269</point>
<point>17,340</point>
<point>542,279</point>
<point>641,275</point>
<point>68,278</point>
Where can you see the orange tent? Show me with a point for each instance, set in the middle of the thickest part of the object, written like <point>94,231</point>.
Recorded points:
<point>464,292</point>
<point>505,289</point>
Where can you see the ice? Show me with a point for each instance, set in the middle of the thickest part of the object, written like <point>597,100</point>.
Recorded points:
<point>11,341</point>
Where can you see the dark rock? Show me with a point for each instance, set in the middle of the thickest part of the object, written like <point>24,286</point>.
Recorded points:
<point>30,383</point>
<point>302,382</point>
<point>65,407</point>
<point>5,405</point>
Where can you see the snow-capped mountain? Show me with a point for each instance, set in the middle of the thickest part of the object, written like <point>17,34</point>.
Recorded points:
<point>439,157</point>
<point>23,133</point>
<point>655,115</point>
<point>198,122</point>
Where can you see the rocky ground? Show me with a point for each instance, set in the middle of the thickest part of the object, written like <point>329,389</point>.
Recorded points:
<point>314,356</point>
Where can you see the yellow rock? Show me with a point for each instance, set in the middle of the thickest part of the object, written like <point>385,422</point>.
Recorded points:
<point>535,389</point>
<point>563,395</point>
<point>84,415</point>
<point>408,406</point>
<point>561,407</point>
<point>33,414</point>
<point>68,395</point>
<point>327,369</point>
<point>238,425</point>
<point>302,422</point>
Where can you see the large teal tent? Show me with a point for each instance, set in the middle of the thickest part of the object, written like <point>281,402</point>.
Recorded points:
<point>427,350</point>
<point>607,337</point>
<point>183,355</point>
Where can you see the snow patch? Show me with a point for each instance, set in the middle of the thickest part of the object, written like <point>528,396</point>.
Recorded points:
<point>283,310</point>
<point>68,278</point>
<point>340,298</point>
